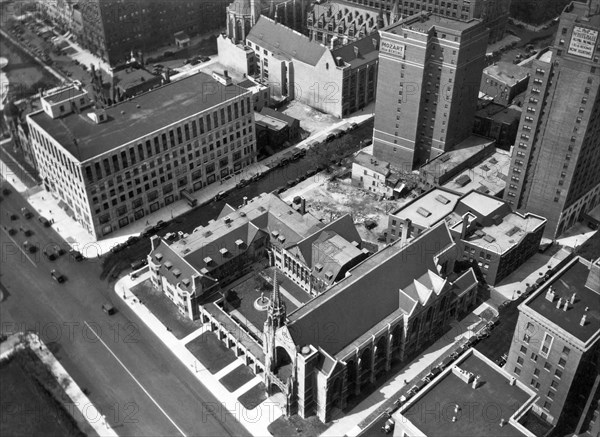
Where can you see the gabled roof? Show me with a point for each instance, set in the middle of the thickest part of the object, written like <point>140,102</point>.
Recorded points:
<point>285,42</point>
<point>367,47</point>
<point>378,281</point>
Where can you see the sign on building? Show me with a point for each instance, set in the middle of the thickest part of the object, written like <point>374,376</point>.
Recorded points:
<point>583,42</point>
<point>392,48</point>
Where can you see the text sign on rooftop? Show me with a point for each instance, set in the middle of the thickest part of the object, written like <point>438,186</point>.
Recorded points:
<point>392,48</point>
<point>583,42</point>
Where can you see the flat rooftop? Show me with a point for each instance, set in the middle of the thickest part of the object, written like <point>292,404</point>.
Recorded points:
<point>571,279</point>
<point>127,122</point>
<point>429,208</point>
<point>488,176</point>
<point>270,122</point>
<point>434,407</point>
<point>372,163</point>
<point>507,72</point>
<point>423,22</point>
<point>64,94</point>
<point>451,159</point>
<point>507,234</point>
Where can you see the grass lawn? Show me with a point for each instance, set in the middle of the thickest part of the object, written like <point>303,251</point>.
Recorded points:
<point>236,378</point>
<point>296,426</point>
<point>211,352</point>
<point>254,397</point>
<point>32,399</point>
<point>165,310</point>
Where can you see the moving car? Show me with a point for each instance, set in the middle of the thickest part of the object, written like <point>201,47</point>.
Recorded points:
<point>57,276</point>
<point>51,253</point>
<point>108,308</point>
<point>76,255</point>
<point>44,221</point>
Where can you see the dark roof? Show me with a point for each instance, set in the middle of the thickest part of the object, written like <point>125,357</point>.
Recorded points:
<point>126,79</point>
<point>368,50</point>
<point>500,113</point>
<point>181,35</point>
<point>571,279</point>
<point>66,94</point>
<point>448,391</point>
<point>159,108</point>
<point>286,42</point>
<point>279,115</point>
<point>247,84</point>
<point>376,281</point>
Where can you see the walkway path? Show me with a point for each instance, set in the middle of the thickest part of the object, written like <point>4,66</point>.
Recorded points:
<point>256,420</point>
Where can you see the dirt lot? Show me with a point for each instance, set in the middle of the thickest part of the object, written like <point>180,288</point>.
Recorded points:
<point>329,200</point>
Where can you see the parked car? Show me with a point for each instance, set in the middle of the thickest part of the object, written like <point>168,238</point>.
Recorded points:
<point>242,183</point>
<point>76,255</point>
<point>26,231</point>
<point>150,230</point>
<point>44,221</point>
<point>160,224</point>
<point>132,240</point>
<point>204,58</point>
<point>329,138</point>
<point>12,231</point>
<point>220,195</point>
<point>57,276</point>
<point>26,213</point>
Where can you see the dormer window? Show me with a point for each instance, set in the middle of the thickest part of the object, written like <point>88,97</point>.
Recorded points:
<point>224,252</point>
<point>158,256</point>
<point>208,260</point>
<point>176,272</point>
<point>168,265</point>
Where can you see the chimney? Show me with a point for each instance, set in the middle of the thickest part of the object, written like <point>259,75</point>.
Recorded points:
<point>475,382</point>
<point>225,73</point>
<point>573,298</point>
<point>303,206</point>
<point>566,307</point>
<point>464,226</point>
<point>559,302</point>
<point>356,52</point>
<point>582,322</point>
<point>245,200</point>
<point>405,232</point>
<point>513,380</point>
<point>375,43</point>
<point>550,295</point>
<point>502,423</point>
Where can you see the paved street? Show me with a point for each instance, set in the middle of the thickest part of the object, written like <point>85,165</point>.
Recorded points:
<point>131,377</point>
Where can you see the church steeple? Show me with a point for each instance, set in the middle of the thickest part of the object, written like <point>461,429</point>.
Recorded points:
<point>276,315</point>
<point>395,14</point>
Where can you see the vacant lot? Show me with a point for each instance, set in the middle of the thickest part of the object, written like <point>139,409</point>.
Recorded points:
<point>329,200</point>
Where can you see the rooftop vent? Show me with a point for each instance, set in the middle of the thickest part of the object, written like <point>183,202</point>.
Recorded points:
<point>281,238</point>
<point>582,322</point>
<point>329,275</point>
<point>275,234</point>
<point>550,295</point>
<point>463,180</point>
<point>493,161</point>
<point>227,219</point>
<point>242,214</point>
<point>489,238</point>
<point>318,267</point>
<point>442,199</point>
<point>207,234</point>
<point>513,231</point>
<point>423,212</point>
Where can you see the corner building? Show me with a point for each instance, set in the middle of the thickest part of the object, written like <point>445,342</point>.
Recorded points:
<point>554,164</point>
<point>555,348</point>
<point>429,73</point>
<point>113,166</point>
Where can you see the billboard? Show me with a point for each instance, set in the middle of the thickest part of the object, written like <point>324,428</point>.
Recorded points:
<point>392,48</point>
<point>583,42</point>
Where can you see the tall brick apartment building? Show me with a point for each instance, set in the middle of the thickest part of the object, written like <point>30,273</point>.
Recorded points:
<point>554,166</point>
<point>429,73</point>
<point>555,349</point>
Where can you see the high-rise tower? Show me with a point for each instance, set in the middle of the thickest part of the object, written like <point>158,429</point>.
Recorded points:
<point>554,166</point>
<point>430,68</point>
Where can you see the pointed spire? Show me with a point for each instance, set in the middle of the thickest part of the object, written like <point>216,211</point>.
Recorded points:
<point>275,298</point>
<point>395,12</point>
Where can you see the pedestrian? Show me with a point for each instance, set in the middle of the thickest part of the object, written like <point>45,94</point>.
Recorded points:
<point>50,211</point>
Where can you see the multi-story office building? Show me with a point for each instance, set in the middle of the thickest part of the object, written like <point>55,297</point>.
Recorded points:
<point>494,13</point>
<point>429,73</point>
<point>116,165</point>
<point>554,167</point>
<point>555,348</point>
<point>113,29</point>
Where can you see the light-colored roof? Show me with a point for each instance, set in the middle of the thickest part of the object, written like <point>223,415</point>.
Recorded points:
<point>429,208</point>
<point>369,161</point>
<point>423,22</point>
<point>488,177</point>
<point>507,72</point>
<point>285,42</point>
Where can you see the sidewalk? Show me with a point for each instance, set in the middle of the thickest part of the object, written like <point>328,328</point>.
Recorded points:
<point>71,231</point>
<point>256,420</point>
<point>87,409</point>
<point>348,424</point>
